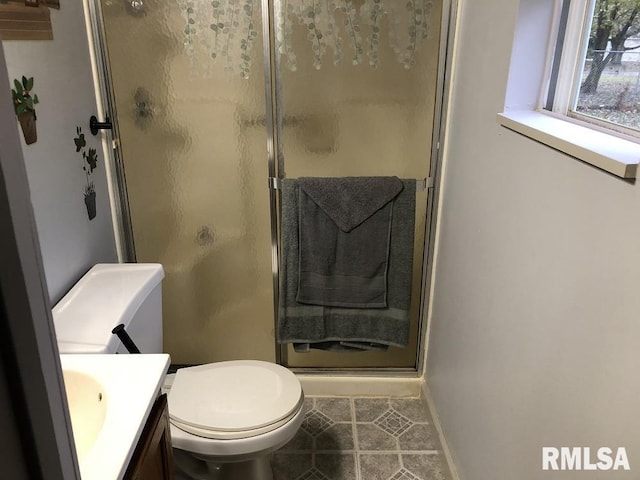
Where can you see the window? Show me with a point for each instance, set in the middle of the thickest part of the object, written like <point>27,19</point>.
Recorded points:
<point>595,75</point>
<point>552,56</point>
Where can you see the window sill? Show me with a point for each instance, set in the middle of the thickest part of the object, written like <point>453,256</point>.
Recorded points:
<point>607,152</point>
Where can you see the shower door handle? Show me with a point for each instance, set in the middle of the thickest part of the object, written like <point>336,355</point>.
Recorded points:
<point>95,125</point>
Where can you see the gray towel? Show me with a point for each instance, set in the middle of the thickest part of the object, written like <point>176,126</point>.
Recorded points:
<point>348,329</point>
<point>344,234</point>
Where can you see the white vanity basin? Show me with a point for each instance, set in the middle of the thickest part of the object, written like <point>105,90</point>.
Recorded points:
<point>87,400</point>
<point>110,397</point>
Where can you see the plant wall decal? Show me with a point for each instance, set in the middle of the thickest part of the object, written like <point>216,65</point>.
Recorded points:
<point>373,13</point>
<point>24,105</point>
<point>89,164</point>
<point>219,31</point>
<point>353,30</point>
<point>410,26</point>
<point>225,31</point>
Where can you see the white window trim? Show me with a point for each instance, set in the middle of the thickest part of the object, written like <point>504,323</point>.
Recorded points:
<point>573,55</point>
<point>583,141</point>
<point>605,151</point>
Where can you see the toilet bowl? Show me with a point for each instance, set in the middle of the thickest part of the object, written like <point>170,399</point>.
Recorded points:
<point>226,417</point>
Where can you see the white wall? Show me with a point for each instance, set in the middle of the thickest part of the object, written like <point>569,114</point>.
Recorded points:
<point>535,333</point>
<point>37,428</point>
<point>70,243</point>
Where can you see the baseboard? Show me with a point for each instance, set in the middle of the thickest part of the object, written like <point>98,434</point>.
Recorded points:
<point>443,440</point>
<point>326,385</point>
<point>351,386</point>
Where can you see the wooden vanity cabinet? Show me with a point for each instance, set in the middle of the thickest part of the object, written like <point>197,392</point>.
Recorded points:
<point>153,457</point>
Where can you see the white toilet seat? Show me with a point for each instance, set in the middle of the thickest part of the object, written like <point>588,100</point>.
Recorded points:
<point>234,400</point>
<point>240,449</point>
<point>222,435</point>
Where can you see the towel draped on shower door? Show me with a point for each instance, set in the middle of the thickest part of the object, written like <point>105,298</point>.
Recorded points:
<point>344,233</point>
<point>347,256</point>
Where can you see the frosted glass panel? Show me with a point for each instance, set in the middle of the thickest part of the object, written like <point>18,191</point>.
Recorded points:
<point>194,147</point>
<point>357,88</point>
<point>356,84</point>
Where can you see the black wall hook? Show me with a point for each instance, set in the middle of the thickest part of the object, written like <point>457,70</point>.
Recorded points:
<point>95,125</point>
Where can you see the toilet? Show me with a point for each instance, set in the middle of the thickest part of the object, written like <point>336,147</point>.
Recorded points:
<point>226,417</point>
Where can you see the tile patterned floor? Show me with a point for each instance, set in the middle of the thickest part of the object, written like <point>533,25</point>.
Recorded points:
<point>352,438</point>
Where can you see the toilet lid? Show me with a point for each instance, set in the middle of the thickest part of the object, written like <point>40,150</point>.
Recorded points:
<point>235,399</point>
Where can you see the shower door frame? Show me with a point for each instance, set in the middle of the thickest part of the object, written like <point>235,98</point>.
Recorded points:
<point>121,213</point>
<point>275,162</point>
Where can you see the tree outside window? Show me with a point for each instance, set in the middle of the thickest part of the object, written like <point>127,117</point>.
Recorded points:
<point>610,82</point>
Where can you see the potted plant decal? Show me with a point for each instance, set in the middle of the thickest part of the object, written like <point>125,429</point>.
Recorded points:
<point>24,105</point>
<point>89,164</point>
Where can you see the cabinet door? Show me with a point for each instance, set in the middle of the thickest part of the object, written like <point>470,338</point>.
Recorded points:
<point>153,458</point>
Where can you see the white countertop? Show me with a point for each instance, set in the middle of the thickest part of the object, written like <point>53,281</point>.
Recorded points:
<point>132,384</point>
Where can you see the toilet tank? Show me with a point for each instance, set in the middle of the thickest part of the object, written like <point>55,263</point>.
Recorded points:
<point>106,296</point>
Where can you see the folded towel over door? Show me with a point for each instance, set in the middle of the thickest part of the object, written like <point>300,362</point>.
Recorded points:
<point>341,328</point>
<point>344,233</point>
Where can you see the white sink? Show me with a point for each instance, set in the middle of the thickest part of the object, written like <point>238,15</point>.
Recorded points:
<point>88,407</point>
<point>110,397</point>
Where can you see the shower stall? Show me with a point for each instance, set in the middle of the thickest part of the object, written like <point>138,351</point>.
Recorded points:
<point>214,101</point>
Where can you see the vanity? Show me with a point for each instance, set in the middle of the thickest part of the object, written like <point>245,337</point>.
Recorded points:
<point>120,422</point>
<point>153,458</point>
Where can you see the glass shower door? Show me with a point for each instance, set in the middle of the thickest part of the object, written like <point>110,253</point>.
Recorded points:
<point>190,107</point>
<point>357,84</point>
